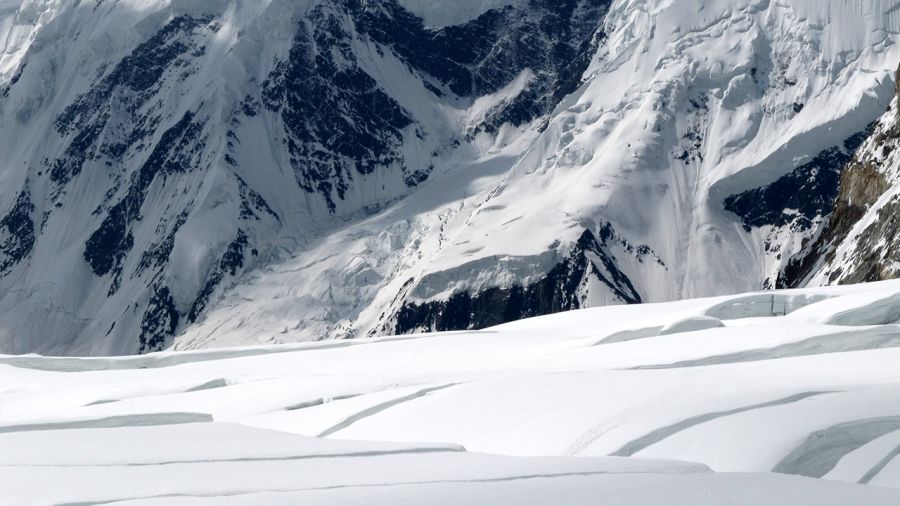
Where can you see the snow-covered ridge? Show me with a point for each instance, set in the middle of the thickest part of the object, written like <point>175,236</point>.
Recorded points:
<point>787,397</point>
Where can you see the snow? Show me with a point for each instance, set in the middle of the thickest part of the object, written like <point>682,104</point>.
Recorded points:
<point>795,406</point>
<point>438,13</point>
<point>500,210</point>
<point>503,214</point>
<point>497,210</point>
<point>691,324</point>
<point>870,235</point>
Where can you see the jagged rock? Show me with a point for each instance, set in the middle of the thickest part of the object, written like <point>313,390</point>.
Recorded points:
<point>176,152</point>
<point>803,195</point>
<point>858,242</point>
<point>159,322</point>
<point>565,287</point>
<point>17,231</point>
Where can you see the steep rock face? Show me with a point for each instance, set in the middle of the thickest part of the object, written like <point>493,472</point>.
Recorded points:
<point>17,229</point>
<point>681,112</point>
<point>858,242</point>
<point>337,119</point>
<point>802,196</point>
<point>792,210</point>
<point>573,283</point>
<point>554,40</point>
<point>90,124</point>
<point>111,243</point>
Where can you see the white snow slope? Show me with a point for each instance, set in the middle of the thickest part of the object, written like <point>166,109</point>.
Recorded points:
<point>682,104</point>
<point>784,398</point>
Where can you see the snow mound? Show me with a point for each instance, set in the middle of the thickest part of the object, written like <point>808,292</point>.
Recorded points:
<point>691,324</point>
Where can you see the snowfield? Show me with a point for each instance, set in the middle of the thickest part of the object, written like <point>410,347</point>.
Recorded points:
<point>789,397</point>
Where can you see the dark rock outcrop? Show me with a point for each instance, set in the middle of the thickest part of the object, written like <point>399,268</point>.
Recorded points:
<point>561,289</point>
<point>806,193</point>
<point>862,184</point>
<point>159,322</point>
<point>17,233</point>
<point>108,246</point>
<point>131,85</point>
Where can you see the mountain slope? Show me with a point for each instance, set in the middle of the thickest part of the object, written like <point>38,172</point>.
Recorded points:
<point>647,163</point>
<point>229,172</point>
<point>164,148</point>
<point>857,243</point>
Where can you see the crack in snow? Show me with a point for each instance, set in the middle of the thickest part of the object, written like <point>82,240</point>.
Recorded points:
<point>139,420</point>
<point>658,435</point>
<point>499,479</point>
<point>860,340</point>
<point>378,408</point>
<point>361,454</point>
<point>876,470</point>
<point>823,449</point>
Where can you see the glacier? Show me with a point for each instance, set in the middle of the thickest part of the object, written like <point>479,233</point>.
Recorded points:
<point>420,251</point>
<point>789,397</point>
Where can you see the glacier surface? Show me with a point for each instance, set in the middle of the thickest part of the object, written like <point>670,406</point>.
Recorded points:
<point>794,400</point>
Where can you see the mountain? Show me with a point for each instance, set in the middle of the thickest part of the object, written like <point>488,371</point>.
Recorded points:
<point>858,243</point>
<point>198,173</point>
<point>786,397</point>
